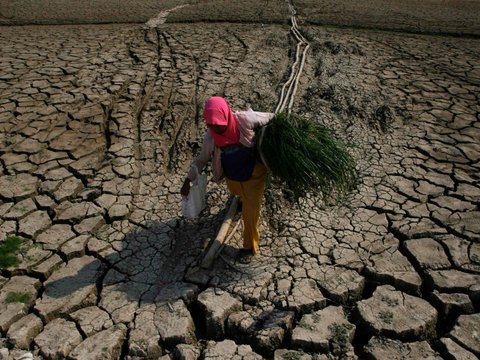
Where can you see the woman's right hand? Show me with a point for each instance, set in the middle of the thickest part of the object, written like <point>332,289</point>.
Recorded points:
<point>185,190</point>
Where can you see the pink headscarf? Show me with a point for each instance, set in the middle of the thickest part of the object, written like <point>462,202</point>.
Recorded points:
<point>217,112</point>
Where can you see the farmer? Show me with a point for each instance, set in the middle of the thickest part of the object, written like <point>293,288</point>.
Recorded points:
<point>228,142</point>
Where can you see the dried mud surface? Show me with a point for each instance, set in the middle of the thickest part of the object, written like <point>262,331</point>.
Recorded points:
<point>99,124</point>
<point>428,16</point>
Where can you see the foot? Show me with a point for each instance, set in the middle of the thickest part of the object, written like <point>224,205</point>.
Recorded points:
<point>245,256</point>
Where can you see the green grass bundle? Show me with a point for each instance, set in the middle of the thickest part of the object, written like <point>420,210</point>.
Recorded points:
<point>306,158</point>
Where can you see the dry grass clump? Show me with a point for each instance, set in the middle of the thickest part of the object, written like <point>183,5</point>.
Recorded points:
<point>305,157</point>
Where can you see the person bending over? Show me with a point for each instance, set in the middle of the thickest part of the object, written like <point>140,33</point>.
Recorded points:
<point>229,144</point>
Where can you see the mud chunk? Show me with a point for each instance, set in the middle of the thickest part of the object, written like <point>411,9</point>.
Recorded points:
<point>453,280</point>
<point>21,333</point>
<point>16,297</point>
<point>284,354</point>
<point>215,307</point>
<point>323,329</point>
<point>273,327</point>
<point>89,225</point>
<point>175,324</point>
<point>451,350</point>
<point>241,326</point>
<point>340,284</point>
<point>20,210</point>
<point>75,212</point>
<point>397,315</point>
<point>452,304</point>
<point>382,348</point>
<point>58,338</point>
<point>18,187</point>
<point>68,189</point>
<point>34,223</point>
<point>428,253</point>
<point>178,290</point>
<point>306,297</point>
<point>227,349</point>
<point>186,352</point>
<point>55,236</point>
<point>459,251</point>
<point>467,332</point>
<point>118,211</point>
<point>144,337</point>
<point>117,301</point>
<point>395,269</point>
<point>92,319</point>
<point>87,112</point>
<point>106,344</point>
<point>48,266</point>
<point>75,247</point>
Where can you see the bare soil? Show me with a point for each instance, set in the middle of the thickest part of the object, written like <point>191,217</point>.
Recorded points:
<point>100,117</point>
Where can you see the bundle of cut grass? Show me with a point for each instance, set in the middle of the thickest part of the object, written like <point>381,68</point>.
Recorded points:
<point>306,158</point>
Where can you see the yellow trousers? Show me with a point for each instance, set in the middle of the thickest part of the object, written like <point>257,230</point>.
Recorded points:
<point>251,195</point>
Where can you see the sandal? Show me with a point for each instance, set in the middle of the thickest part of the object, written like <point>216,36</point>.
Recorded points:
<point>245,256</point>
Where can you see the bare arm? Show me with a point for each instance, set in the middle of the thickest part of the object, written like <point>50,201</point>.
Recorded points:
<point>200,161</point>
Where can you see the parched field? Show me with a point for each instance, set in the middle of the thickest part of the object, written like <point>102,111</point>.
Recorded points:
<point>100,117</point>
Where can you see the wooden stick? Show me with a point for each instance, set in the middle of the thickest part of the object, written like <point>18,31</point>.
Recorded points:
<point>222,233</point>
<point>227,239</point>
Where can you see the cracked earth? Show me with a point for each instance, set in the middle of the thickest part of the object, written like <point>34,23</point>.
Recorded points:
<point>99,124</point>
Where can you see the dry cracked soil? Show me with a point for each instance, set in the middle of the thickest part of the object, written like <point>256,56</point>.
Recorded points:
<point>100,117</point>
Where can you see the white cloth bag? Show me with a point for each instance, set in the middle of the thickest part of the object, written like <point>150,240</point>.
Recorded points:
<point>195,201</point>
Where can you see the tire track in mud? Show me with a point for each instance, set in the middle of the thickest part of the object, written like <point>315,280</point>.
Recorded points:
<point>185,70</point>
<point>162,120</point>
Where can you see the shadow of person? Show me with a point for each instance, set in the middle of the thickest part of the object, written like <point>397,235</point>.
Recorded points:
<point>118,274</point>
